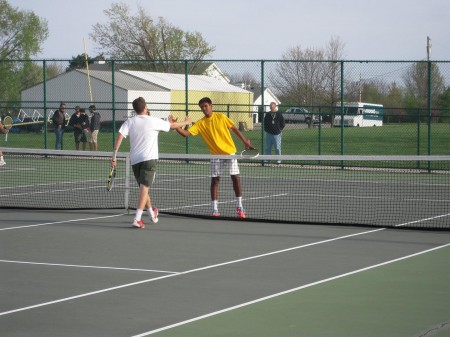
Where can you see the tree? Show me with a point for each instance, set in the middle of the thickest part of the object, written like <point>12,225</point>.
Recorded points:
<point>138,37</point>
<point>444,105</point>
<point>392,104</point>
<point>300,78</point>
<point>21,33</point>
<point>416,80</point>
<point>334,52</point>
<point>21,36</point>
<point>416,83</point>
<point>306,78</point>
<point>246,80</point>
<point>79,61</point>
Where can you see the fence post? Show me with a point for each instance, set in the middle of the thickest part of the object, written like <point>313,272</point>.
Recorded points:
<point>342,111</point>
<point>113,99</point>
<point>429,110</point>
<point>44,86</point>
<point>186,96</point>
<point>263,150</point>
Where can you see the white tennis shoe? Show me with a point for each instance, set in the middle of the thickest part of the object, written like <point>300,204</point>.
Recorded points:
<point>154,218</point>
<point>2,162</point>
<point>138,224</point>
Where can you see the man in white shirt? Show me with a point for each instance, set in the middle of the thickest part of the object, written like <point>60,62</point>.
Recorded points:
<point>143,131</point>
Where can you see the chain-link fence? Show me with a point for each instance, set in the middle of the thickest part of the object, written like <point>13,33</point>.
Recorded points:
<point>330,107</point>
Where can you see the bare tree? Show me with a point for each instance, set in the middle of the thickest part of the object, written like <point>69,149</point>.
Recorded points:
<point>416,83</point>
<point>246,79</point>
<point>334,52</point>
<point>139,37</point>
<point>306,78</point>
<point>301,77</point>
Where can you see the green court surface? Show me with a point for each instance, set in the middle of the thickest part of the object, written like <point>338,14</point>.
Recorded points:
<point>405,298</point>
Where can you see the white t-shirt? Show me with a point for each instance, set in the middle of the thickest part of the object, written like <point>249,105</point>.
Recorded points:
<point>143,131</point>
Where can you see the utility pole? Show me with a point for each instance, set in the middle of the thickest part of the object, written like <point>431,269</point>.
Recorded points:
<point>428,48</point>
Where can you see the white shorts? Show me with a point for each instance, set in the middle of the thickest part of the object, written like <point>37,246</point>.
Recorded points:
<point>218,166</point>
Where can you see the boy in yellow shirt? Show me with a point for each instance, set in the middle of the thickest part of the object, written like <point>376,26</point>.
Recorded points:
<point>214,128</point>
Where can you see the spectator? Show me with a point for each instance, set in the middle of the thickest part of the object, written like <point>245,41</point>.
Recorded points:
<point>75,123</point>
<point>95,128</point>
<point>273,126</point>
<point>86,137</point>
<point>59,122</point>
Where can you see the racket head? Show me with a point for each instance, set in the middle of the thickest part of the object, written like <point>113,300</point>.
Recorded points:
<point>7,122</point>
<point>250,152</point>
<point>111,179</point>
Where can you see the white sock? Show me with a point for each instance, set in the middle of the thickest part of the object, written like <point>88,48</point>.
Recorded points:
<point>239,202</point>
<point>139,214</point>
<point>215,205</point>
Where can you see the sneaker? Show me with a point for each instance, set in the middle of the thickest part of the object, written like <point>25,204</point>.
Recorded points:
<point>2,162</point>
<point>240,212</point>
<point>138,224</point>
<point>215,213</point>
<point>154,219</point>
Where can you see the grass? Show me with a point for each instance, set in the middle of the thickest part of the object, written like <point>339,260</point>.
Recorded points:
<point>393,139</point>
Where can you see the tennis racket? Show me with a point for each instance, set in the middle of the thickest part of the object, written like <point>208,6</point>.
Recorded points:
<point>111,178</point>
<point>249,152</point>
<point>7,124</point>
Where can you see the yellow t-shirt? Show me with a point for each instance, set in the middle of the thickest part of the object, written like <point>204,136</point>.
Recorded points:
<point>215,131</point>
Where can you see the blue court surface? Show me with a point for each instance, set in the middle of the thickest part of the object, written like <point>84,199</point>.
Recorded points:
<point>88,273</point>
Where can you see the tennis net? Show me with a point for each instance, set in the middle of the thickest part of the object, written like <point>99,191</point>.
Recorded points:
<point>382,191</point>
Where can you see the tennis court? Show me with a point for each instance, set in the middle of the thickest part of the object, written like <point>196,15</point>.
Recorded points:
<point>71,264</point>
<point>81,273</point>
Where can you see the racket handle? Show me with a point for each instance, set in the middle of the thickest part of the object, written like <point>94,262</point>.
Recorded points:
<point>6,137</point>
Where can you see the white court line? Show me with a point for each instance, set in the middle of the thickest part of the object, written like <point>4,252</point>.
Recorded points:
<point>184,273</point>
<point>18,169</point>
<point>216,266</point>
<point>151,332</point>
<point>63,221</point>
<point>423,220</point>
<point>50,184</point>
<point>224,202</point>
<point>346,196</point>
<point>86,266</point>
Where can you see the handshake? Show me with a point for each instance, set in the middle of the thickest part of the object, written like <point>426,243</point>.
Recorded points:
<point>174,124</point>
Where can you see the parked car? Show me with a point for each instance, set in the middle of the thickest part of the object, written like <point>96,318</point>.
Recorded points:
<point>299,115</point>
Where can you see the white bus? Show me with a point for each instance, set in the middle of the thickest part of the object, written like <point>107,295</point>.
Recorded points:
<point>359,114</point>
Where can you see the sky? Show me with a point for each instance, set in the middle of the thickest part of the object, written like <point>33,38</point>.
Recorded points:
<point>266,29</point>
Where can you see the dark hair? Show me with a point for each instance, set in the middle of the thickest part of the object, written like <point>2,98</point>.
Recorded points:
<point>205,100</point>
<point>139,104</point>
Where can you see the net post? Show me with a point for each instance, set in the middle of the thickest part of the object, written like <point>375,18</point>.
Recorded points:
<point>127,181</point>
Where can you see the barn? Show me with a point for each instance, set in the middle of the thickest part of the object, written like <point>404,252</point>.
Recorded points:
<point>165,92</point>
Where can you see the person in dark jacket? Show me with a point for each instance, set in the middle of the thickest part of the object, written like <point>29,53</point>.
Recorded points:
<point>95,128</point>
<point>75,123</point>
<point>273,126</point>
<point>59,122</point>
